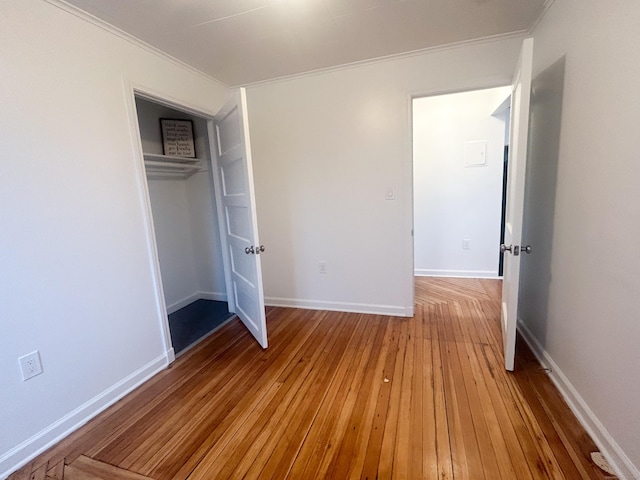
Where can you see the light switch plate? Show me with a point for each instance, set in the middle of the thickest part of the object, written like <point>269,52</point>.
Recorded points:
<point>391,194</point>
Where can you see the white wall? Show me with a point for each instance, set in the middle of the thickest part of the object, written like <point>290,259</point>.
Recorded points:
<point>76,281</point>
<point>325,149</point>
<point>184,216</point>
<point>454,201</point>
<point>206,235</point>
<point>581,286</point>
<point>172,225</point>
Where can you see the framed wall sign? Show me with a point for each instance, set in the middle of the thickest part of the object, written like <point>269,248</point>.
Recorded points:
<point>177,137</point>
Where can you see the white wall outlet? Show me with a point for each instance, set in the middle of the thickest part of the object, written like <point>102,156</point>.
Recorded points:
<point>466,244</point>
<point>322,267</point>
<point>30,365</point>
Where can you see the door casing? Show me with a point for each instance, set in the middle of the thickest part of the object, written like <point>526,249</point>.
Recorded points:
<point>135,90</point>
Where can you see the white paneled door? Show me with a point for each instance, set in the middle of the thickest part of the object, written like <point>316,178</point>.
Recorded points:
<point>238,221</point>
<point>513,246</point>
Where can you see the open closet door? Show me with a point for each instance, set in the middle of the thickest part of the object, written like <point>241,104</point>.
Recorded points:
<point>520,99</point>
<point>238,221</point>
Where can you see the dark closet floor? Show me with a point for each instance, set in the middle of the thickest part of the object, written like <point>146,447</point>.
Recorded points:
<point>191,323</point>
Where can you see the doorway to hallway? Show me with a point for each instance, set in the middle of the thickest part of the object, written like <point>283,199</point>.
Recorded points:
<point>459,141</point>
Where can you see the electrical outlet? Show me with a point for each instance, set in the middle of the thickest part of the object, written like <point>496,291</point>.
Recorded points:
<point>322,267</point>
<point>30,365</point>
<point>466,244</point>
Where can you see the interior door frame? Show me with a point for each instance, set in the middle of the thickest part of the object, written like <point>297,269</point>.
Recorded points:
<point>134,90</point>
<point>423,94</point>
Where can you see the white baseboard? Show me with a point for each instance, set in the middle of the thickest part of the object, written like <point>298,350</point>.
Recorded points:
<point>392,310</point>
<point>220,297</point>
<point>420,272</point>
<point>22,454</point>
<point>171,355</point>
<point>624,468</point>
<point>217,296</point>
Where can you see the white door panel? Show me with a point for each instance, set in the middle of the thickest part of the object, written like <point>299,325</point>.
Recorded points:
<point>520,99</point>
<point>236,199</point>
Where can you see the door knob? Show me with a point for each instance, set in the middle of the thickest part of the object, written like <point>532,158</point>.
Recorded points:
<point>514,249</point>
<point>525,248</point>
<point>252,249</point>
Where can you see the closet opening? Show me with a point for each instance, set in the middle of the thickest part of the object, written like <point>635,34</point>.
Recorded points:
<point>185,221</point>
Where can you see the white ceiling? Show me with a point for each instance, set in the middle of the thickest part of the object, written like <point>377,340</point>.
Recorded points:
<point>245,41</point>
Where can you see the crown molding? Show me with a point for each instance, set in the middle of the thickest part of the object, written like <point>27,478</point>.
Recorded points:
<point>87,17</point>
<point>73,10</point>
<point>392,57</point>
<point>545,8</point>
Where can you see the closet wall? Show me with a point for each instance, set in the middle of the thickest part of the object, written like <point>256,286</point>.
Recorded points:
<point>184,217</point>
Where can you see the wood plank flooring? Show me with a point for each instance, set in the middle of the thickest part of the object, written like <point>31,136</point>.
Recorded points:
<point>339,396</point>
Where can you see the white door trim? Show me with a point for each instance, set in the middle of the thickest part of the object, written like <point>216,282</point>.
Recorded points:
<point>133,90</point>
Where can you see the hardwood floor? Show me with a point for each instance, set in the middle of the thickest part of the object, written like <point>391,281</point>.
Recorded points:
<point>341,395</point>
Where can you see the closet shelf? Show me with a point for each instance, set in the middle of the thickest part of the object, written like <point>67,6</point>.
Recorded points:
<point>171,166</point>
